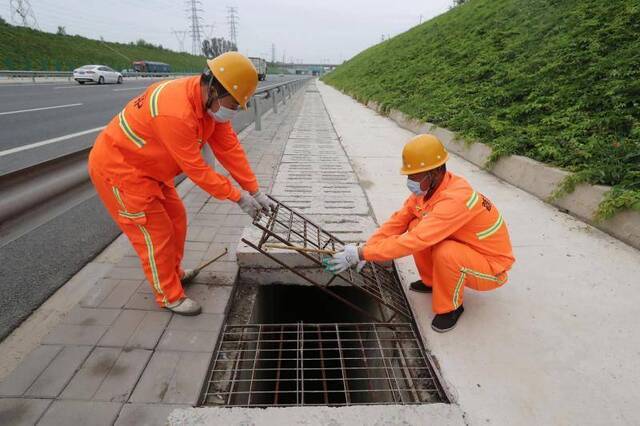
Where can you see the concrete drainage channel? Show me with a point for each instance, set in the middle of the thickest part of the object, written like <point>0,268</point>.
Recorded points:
<point>298,336</point>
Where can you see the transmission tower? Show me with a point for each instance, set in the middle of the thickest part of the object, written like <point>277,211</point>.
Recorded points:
<point>22,13</point>
<point>194,8</point>
<point>232,20</point>
<point>273,53</point>
<point>180,36</point>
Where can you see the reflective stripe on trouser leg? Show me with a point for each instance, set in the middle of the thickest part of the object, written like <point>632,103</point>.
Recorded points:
<point>150,250</point>
<point>178,215</point>
<point>456,265</point>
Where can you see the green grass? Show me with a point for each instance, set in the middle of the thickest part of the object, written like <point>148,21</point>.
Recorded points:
<point>26,49</point>
<point>554,80</point>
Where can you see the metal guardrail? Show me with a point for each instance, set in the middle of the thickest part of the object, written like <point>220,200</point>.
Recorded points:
<point>69,74</point>
<point>48,182</point>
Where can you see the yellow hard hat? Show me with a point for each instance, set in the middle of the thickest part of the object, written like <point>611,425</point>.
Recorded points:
<point>422,153</point>
<point>237,75</point>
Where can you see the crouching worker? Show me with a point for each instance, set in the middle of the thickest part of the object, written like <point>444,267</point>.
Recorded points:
<point>456,235</point>
<point>159,135</point>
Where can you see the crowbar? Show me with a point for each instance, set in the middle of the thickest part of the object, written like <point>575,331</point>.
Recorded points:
<point>298,248</point>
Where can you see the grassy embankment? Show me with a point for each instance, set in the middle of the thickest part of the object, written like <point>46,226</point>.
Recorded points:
<point>556,81</point>
<point>26,49</point>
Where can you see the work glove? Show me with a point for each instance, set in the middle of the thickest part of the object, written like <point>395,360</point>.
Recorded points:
<point>344,260</point>
<point>249,205</point>
<point>267,204</point>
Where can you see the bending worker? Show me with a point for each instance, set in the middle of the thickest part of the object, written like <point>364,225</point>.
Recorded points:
<point>456,235</point>
<point>159,135</point>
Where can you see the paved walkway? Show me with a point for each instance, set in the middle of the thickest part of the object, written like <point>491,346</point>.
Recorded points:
<point>116,357</point>
<point>560,343</point>
<point>557,345</point>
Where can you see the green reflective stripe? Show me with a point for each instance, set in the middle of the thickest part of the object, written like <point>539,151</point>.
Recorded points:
<point>456,292</point>
<point>483,276</point>
<point>128,132</point>
<point>153,101</point>
<point>152,260</point>
<point>472,200</point>
<point>494,228</point>
<point>132,215</point>
<point>148,242</point>
<point>117,195</point>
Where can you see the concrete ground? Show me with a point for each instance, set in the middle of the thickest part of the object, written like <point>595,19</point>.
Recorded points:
<point>101,352</point>
<point>557,345</point>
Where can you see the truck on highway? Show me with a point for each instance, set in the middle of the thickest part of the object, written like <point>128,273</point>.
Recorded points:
<point>261,67</point>
<point>150,66</point>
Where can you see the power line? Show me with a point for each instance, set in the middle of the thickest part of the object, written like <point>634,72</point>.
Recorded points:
<point>232,20</point>
<point>22,14</point>
<point>194,7</point>
<point>180,36</point>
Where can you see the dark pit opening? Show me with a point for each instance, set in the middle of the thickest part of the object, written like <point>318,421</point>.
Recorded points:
<point>297,346</point>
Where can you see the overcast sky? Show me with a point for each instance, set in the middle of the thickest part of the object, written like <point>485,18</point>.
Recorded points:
<point>304,30</point>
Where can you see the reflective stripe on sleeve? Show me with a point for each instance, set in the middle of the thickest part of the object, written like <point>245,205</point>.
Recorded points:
<point>124,125</point>
<point>153,101</point>
<point>491,230</point>
<point>471,202</point>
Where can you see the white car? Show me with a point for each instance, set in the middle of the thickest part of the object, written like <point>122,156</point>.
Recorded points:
<point>96,73</point>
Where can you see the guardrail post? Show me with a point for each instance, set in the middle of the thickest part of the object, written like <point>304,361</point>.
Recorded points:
<point>33,77</point>
<point>284,94</point>
<point>256,112</point>
<point>273,93</point>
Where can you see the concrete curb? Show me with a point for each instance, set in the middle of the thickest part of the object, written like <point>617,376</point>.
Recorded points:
<point>532,176</point>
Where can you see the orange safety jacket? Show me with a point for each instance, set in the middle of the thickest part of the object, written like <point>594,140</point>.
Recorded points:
<point>160,134</point>
<point>456,212</point>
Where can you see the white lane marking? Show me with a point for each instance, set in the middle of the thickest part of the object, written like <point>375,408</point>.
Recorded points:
<point>39,109</point>
<point>78,86</point>
<point>129,88</point>
<point>49,141</point>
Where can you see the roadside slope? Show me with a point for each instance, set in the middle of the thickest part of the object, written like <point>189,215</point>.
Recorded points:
<point>555,81</point>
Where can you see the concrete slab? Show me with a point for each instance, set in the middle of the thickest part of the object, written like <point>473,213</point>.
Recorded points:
<point>437,414</point>
<point>55,377</point>
<point>17,383</point>
<point>136,329</point>
<point>172,378</point>
<point>145,414</point>
<point>22,411</point>
<point>86,413</point>
<point>558,344</point>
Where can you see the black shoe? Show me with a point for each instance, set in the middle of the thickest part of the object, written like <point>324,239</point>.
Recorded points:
<point>446,322</point>
<point>420,287</point>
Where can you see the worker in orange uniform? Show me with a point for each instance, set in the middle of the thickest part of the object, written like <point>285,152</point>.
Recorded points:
<point>159,135</point>
<point>456,235</point>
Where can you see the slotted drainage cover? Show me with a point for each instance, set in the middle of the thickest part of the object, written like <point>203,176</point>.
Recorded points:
<point>286,226</point>
<point>260,365</point>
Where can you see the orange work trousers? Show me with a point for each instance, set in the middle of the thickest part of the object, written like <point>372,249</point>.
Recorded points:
<point>448,267</point>
<point>157,229</point>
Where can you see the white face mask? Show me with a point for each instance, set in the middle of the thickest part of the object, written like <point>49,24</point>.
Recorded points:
<point>223,114</point>
<point>415,187</point>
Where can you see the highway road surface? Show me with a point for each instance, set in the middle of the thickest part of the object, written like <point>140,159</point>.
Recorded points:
<point>45,120</point>
<point>39,122</point>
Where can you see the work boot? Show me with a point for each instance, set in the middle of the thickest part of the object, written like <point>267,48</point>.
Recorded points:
<point>189,275</point>
<point>185,306</point>
<point>420,287</point>
<point>446,322</point>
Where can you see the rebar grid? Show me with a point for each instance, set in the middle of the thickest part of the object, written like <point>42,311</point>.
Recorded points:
<point>259,365</point>
<point>286,226</point>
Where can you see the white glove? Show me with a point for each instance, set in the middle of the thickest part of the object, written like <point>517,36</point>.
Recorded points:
<point>267,204</point>
<point>345,259</point>
<point>249,205</point>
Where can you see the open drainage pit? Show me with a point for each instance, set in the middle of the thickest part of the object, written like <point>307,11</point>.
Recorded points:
<point>303,347</point>
<point>319,339</point>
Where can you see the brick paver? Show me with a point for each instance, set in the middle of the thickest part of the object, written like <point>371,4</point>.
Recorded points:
<point>119,358</point>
